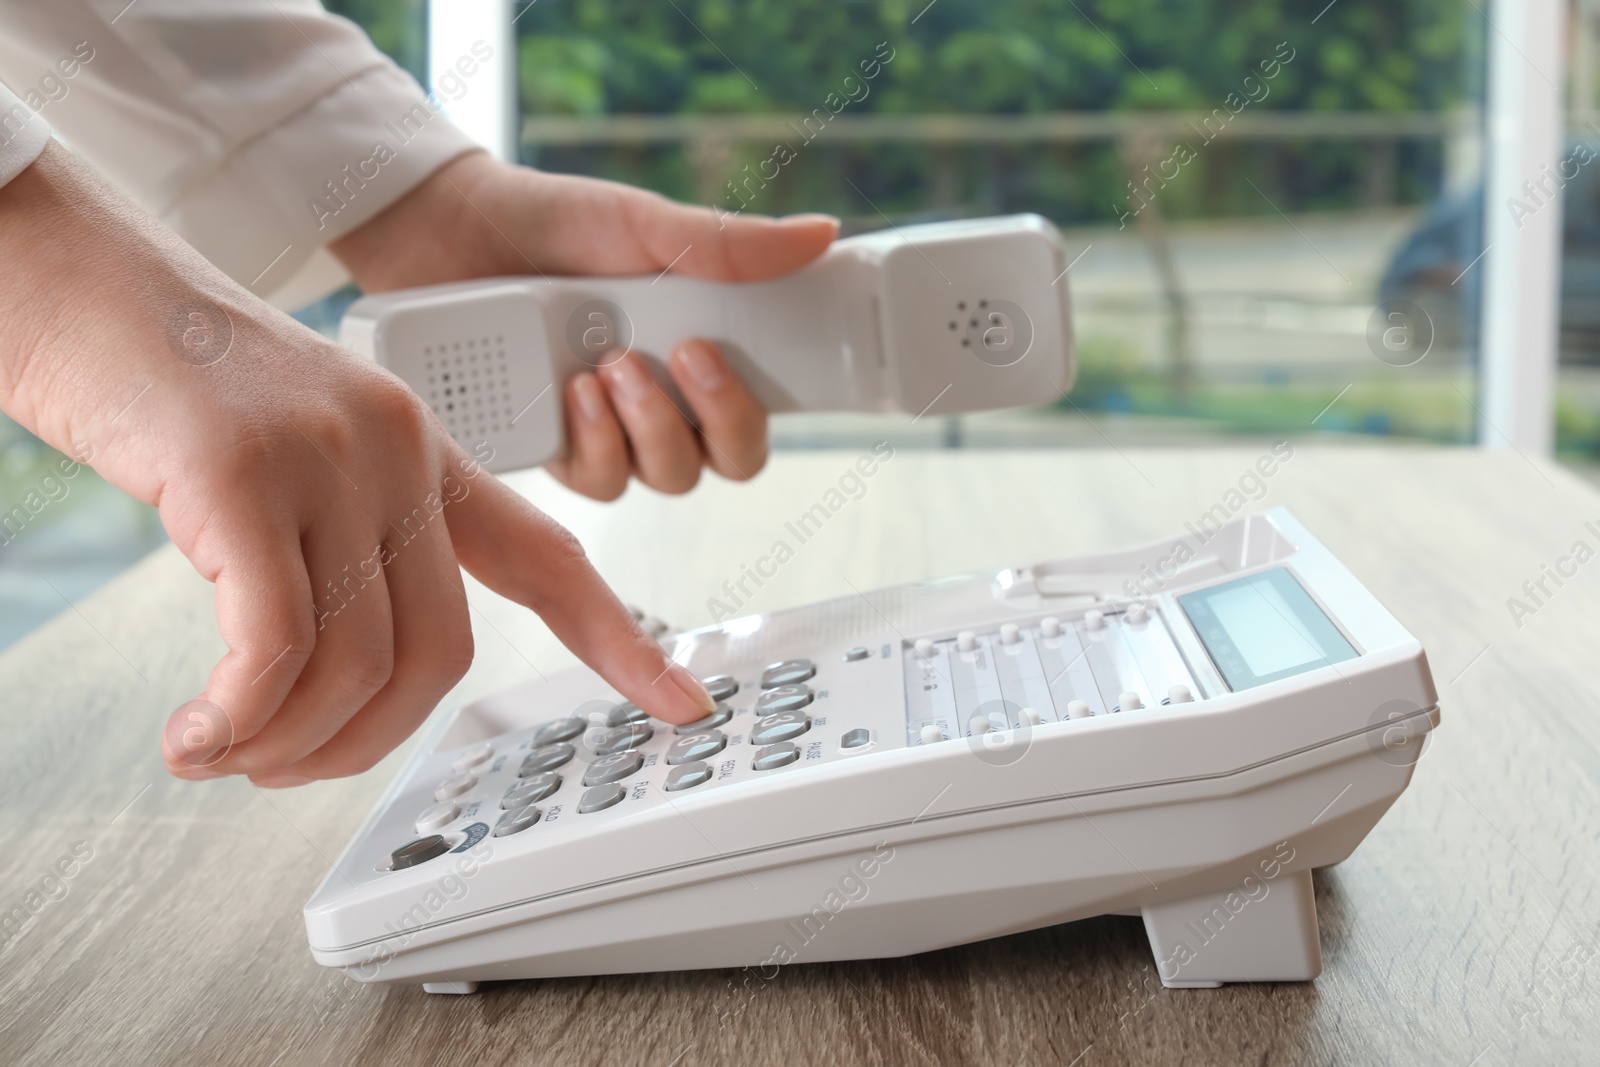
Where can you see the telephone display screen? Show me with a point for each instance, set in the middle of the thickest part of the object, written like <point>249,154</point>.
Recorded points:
<point>1264,627</point>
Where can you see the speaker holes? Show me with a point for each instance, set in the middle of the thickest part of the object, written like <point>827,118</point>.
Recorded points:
<point>469,386</point>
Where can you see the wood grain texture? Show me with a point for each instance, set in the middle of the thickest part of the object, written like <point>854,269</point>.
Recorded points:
<point>1462,932</point>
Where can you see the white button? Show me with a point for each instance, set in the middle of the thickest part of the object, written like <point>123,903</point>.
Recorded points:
<point>1077,709</point>
<point>1009,634</point>
<point>1138,613</point>
<point>979,726</point>
<point>1050,626</point>
<point>1179,694</point>
<point>437,816</point>
<point>1029,717</point>
<point>454,787</point>
<point>473,756</point>
<point>966,640</point>
<point>931,734</point>
<point>1094,620</point>
<point>1130,701</point>
<point>924,648</point>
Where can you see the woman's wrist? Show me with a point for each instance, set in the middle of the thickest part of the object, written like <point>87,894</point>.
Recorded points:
<point>108,314</point>
<point>432,227</point>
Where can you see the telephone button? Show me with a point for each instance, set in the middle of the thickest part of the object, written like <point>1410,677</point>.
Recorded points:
<point>600,798</point>
<point>440,815</point>
<point>517,820</point>
<point>687,776</point>
<point>547,758</point>
<point>860,737</point>
<point>710,722</point>
<point>473,756</point>
<point>560,730</point>
<point>720,686</point>
<point>421,850</point>
<point>622,714</point>
<point>454,787</point>
<point>784,698</point>
<point>624,738</point>
<point>852,655</point>
<point>788,672</point>
<point>612,768</point>
<point>531,790</point>
<point>692,747</point>
<point>783,726</point>
<point>775,756</point>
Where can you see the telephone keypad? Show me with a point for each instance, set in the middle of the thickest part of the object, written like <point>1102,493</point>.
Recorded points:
<point>618,747</point>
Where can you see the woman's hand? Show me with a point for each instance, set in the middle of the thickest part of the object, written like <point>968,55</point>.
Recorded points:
<point>322,498</point>
<point>478,218</point>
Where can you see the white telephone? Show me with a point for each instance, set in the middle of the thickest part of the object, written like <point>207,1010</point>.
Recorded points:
<point>1182,731</point>
<point>941,318</point>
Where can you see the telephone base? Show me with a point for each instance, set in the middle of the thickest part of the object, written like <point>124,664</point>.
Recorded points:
<point>455,988</point>
<point>1232,936</point>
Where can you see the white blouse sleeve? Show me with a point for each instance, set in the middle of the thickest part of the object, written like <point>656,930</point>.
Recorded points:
<point>259,130</point>
<point>23,135</point>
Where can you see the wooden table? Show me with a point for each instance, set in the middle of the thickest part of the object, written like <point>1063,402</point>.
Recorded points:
<point>1462,932</point>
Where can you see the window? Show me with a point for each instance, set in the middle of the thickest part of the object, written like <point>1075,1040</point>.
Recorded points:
<point>1274,233</point>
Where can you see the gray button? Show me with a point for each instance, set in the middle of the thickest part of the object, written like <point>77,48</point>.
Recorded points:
<point>710,722</point>
<point>622,714</point>
<point>720,686</point>
<point>421,850</point>
<point>775,756</point>
<point>696,746</point>
<point>855,738</point>
<point>623,738</point>
<point>600,798</point>
<point>560,730</point>
<point>784,698</point>
<point>787,672</point>
<point>858,653</point>
<point>530,790</point>
<point>517,820</point>
<point>688,776</point>
<point>544,759</point>
<point>784,726</point>
<point>611,768</point>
